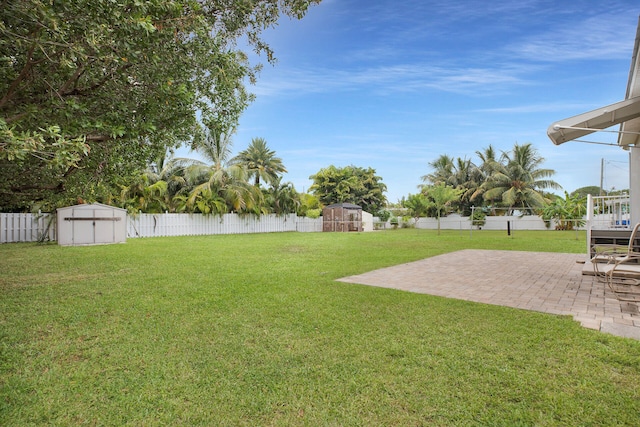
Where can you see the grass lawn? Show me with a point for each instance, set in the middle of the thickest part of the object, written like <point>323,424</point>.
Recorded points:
<point>254,330</point>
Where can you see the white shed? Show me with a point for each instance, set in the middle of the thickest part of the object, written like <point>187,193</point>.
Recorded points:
<point>94,224</point>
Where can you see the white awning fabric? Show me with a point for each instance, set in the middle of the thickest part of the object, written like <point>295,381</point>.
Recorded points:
<point>624,113</point>
<point>593,121</point>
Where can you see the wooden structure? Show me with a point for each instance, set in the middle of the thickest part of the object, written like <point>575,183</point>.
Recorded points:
<point>94,224</point>
<point>342,217</point>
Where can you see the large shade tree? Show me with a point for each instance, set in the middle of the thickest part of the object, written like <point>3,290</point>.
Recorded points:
<point>92,90</point>
<point>350,184</point>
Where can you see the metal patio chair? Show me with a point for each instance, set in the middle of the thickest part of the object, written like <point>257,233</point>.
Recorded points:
<point>619,265</point>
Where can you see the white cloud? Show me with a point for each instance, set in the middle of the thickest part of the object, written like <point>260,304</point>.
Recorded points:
<point>599,37</point>
<point>538,108</point>
<point>390,78</point>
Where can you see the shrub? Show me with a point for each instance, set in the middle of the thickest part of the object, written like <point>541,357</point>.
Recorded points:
<point>313,213</point>
<point>479,218</point>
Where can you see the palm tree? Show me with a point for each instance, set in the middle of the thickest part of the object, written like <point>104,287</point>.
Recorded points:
<point>283,198</point>
<point>442,197</point>
<point>443,170</point>
<point>156,188</point>
<point>222,179</point>
<point>461,174</point>
<point>260,162</point>
<point>488,159</point>
<point>518,180</point>
<point>489,164</point>
<point>145,195</point>
<point>467,178</point>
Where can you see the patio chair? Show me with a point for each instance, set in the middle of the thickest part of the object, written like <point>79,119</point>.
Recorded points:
<point>618,264</point>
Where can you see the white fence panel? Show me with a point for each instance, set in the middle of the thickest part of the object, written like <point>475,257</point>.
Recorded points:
<point>457,222</point>
<point>160,225</point>
<point>527,222</point>
<point>26,227</point>
<point>29,227</point>
<point>309,225</point>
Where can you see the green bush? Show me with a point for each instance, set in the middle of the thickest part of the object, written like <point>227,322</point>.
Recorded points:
<point>406,222</point>
<point>479,218</point>
<point>313,213</point>
<point>384,215</point>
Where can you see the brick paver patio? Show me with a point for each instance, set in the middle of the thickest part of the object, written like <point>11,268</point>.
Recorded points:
<point>546,282</point>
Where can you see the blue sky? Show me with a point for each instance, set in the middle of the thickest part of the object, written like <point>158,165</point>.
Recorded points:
<point>394,84</point>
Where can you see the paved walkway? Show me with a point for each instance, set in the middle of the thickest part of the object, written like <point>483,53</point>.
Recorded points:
<point>546,282</point>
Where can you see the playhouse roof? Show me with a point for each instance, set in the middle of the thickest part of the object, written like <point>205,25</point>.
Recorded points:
<point>344,205</point>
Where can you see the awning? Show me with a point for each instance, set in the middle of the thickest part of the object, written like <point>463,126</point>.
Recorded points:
<point>593,121</point>
<point>625,113</point>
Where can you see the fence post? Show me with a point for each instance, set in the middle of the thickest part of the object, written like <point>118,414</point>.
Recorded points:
<point>589,222</point>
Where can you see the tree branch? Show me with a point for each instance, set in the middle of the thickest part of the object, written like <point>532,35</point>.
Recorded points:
<point>15,117</point>
<point>72,81</point>
<point>23,74</point>
<point>98,138</point>
<point>83,91</point>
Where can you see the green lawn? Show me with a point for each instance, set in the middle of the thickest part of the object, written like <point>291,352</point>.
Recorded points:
<point>254,330</point>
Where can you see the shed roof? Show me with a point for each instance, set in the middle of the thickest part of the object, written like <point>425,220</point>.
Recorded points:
<point>91,206</point>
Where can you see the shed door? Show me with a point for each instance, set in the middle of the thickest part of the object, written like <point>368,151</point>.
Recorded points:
<point>82,230</point>
<point>96,227</point>
<point>104,230</point>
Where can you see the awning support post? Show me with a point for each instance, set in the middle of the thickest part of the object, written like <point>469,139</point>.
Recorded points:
<point>634,184</point>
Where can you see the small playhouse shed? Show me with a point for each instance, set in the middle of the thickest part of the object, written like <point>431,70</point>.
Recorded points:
<point>93,224</point>
<point>342,217</point>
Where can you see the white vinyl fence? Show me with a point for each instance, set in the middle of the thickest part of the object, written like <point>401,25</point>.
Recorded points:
<point>156,225</point>
<point>457,222</point>
<point>34,227</point>
<point>26,227</point>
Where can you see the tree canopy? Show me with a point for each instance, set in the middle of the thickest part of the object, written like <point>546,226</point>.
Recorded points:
<point>519,181</point>
<point>92,90</point>
<point>591,189</point>
<point>442,196</point>
<point>350,184</point>
<point>418,205</point>
<point>261,162</point>
<point>514,181</point>
<point>220,184</point>
<point>567,212</point>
